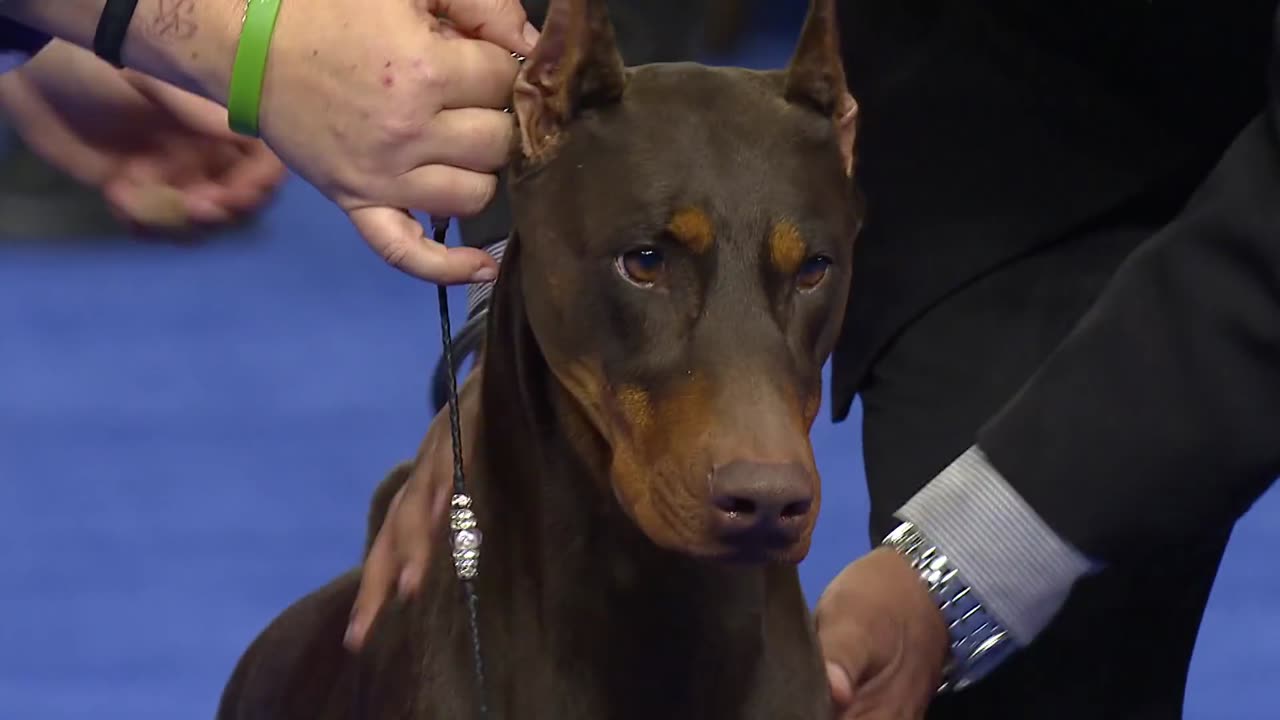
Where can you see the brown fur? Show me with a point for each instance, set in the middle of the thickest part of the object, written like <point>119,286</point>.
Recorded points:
<point>692,228</point>
<point>602,411</point>
<point>786,247</point>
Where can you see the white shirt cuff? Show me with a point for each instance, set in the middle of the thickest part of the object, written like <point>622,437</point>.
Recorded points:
<point>1019,568</point>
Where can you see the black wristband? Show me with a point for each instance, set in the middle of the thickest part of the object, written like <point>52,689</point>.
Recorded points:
<point>108,40</point>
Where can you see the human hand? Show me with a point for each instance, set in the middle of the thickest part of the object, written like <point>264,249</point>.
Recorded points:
<point>386,108</point>
<point>883,638</point>
<point>159,168</point>
<point>402,549</point>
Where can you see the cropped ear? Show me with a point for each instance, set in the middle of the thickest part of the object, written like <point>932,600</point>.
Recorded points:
<point>576,64</point>
<point>815,76</point>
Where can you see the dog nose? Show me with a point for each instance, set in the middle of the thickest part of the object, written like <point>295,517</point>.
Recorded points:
<point>760,506</point>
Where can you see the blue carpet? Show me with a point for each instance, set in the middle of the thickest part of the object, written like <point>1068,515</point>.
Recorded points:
<point>189,438</point>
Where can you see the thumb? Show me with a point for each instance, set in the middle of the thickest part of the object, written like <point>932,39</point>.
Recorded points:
<point>400,240</point>
<point>502,22</point>
<point>841,685</point>
<point>844,650</point>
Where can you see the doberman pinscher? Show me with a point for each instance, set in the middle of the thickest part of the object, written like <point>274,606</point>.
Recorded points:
<point>637,430</point>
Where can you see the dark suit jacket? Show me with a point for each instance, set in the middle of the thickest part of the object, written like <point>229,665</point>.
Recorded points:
<point>1158,419</point>
<point>20,38</point>
<point>990,129</point>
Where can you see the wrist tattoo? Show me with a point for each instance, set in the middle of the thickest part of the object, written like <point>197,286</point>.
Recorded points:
<point>174,20</point>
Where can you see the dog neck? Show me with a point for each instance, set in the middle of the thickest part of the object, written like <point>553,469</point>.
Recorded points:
<point>566,578</point>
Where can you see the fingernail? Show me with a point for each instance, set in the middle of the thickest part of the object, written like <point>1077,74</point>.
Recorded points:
<point>485,274</point>
<point>157,205</point>
<point>840,683</point>
<point>530,35</point>
<point>405,585</point>
<point>203,206</point>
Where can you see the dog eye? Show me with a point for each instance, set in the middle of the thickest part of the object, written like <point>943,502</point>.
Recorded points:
<point>643,266</point>
<point>812,272</point>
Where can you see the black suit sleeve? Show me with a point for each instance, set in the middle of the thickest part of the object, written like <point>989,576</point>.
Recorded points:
<point>1158,419</point>
<point>15,37</point>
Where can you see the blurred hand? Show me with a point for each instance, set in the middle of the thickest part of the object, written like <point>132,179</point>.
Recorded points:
<point>883,638</point>
<point>161,168</point>
<point>385,106</point>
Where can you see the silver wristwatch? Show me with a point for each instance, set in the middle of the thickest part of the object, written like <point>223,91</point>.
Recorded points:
<point>978,642</point>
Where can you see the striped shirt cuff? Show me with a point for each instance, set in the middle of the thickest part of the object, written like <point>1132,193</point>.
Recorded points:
<point>478,293</point>
<point>1019,568</point>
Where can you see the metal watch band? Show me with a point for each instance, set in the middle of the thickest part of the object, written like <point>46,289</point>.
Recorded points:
<point>978,643</point>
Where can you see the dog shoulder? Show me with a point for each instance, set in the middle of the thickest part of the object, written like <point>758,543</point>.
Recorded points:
<point>297,661</point>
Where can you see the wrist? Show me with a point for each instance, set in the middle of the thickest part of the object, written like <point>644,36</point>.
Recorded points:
<point>188,43</point>
<point>976,641</point>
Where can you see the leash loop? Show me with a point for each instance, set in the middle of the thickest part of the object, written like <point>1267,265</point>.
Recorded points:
<point>464,536</point>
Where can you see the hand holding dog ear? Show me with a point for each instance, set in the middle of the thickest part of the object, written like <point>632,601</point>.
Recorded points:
<point>390,105</point>
<point>385,106</point>
<point>883,639</point>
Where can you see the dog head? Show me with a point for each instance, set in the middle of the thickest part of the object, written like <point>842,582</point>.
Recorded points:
<point>686,234</point>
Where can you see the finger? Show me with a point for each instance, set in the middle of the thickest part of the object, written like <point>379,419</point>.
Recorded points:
<point>186,175</point>
<point>447,30</point>
<point>399,239</point>
<point>471,138</point>
<point>48,135</point>
<point>142,194</point>
<point>442,190</point>
<point>414,528</point>
<point>189,109</point>
<point>183,172</point>
<point>841,685</point>
<point>377,575</point>
<point>65,150</point>
<point>476,73</point>
<point>205,118</point>
<point>245,184</point>
<point>263,168</point>
<point>844,650</point>
<point>156,207</point>
<point>503,22</point>
<point>179,160</point>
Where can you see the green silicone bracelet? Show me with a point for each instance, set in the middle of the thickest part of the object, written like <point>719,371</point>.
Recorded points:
<point>244,97</point>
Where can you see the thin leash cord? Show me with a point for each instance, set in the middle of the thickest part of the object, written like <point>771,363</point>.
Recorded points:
<point>462,519</point>
<point>465,535</point>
